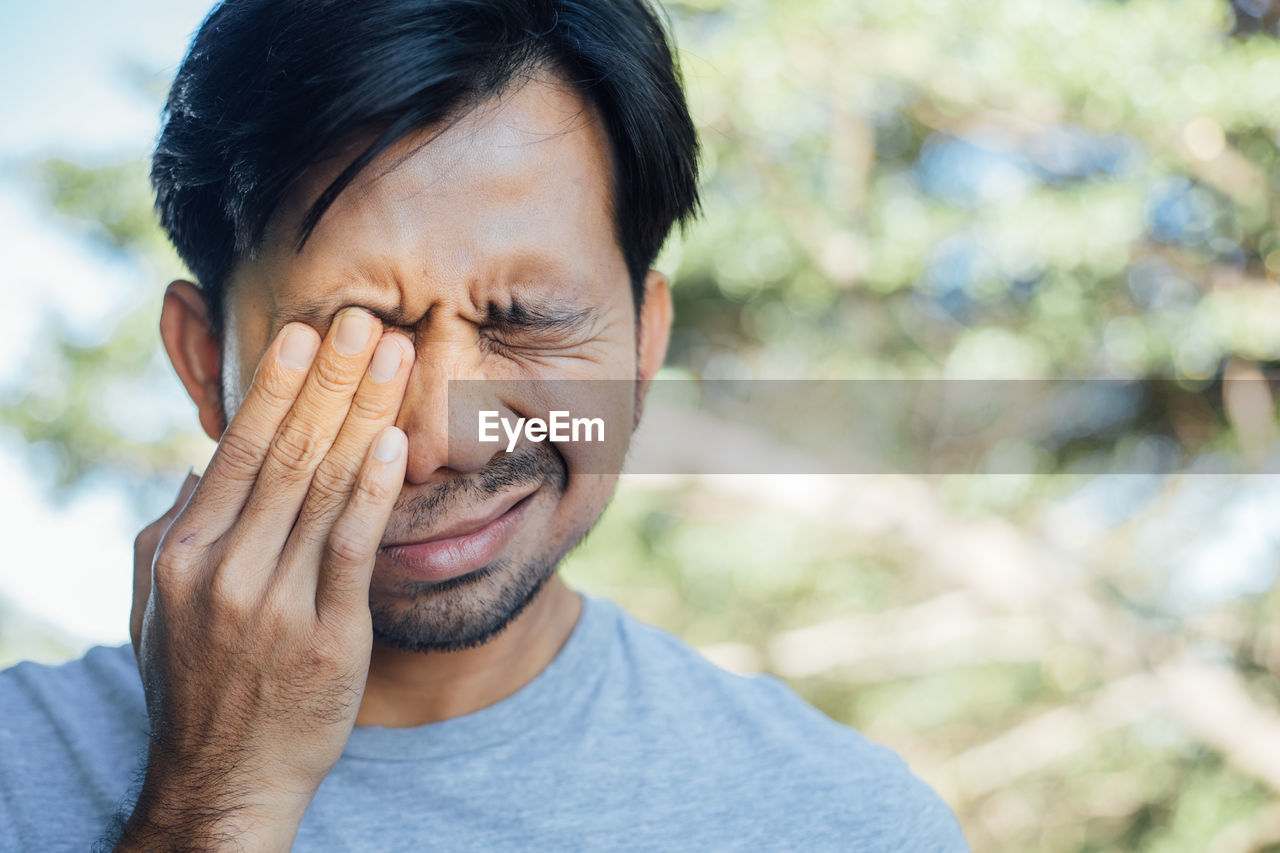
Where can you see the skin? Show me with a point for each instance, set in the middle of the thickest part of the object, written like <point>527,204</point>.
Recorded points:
<point>296,632</point>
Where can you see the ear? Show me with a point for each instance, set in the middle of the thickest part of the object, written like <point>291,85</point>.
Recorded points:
<point>194,352</point>
<point>656,314</point>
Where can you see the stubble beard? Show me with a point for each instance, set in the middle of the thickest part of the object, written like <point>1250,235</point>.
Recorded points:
<point>467,611</point>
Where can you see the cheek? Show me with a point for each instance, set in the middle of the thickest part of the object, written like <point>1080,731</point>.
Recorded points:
<point>580,505</point>
<point>594,467</point>
<point>592,419</point>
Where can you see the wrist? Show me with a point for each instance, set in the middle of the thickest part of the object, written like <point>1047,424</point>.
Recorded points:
<point>183,814</point>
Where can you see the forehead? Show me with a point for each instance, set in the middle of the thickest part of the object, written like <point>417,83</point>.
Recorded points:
<point>517,190</point>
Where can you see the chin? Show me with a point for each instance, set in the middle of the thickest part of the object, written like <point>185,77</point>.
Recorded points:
<point>461,613</point>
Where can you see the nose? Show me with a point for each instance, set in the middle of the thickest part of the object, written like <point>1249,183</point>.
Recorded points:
<point>443,438</point>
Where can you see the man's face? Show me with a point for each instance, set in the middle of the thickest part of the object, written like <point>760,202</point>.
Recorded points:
<point>504,217</point>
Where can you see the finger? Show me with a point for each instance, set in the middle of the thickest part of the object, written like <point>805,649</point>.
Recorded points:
<point>233,470</point>
<point>144,552</point>
<point>342,587</point>
<point>374,407</point>
<point>147,540</point>
<point>305,435</point>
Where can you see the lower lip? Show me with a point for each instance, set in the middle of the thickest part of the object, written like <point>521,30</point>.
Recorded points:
<point>443,559</point>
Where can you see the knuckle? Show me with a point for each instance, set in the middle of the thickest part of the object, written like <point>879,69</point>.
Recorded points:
<point>330,377</point>
<point>166,579</point>
<point>172,561</point>
<point>372,490</point>
<point>230,602</point>
<point>329,486</point>
<point>282,607</point>
<point>296,448</point>
<point>369,407</point>
<point>275,388</point>
<point>240,451</point>
<point>346,546</point>
<point>315,516</point>
<point>324,501</point>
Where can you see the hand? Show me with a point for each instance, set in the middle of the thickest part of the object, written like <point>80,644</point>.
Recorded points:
<point>144,554</point>
<point>256,635</point>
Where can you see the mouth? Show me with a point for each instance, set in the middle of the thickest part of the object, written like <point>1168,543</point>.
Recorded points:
<point>460,547</point>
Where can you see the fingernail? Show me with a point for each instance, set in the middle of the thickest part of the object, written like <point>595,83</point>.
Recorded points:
<point>298,348</point>
<point>389,445</point>
<point>353,333</point>
<point>386,360</point>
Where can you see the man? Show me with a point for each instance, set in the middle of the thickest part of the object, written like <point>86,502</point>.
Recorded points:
<point>352,635</point>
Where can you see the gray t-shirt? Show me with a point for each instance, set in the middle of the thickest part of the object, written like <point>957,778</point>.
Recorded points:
<point>628,740</point>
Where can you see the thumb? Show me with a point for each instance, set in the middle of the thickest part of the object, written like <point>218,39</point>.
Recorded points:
<point>144,552</point>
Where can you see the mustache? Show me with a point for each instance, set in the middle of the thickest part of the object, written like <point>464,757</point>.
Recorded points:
<point>529,465</point>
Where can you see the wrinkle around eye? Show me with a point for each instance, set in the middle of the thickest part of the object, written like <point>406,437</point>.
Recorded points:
<point>525,356</point>
<point>526,339</point>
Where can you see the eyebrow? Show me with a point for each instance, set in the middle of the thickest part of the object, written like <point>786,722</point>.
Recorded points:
<point>319,314</point>
<point>541,315</point>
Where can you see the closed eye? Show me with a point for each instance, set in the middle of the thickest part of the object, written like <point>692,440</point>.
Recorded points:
<point>536,322</point>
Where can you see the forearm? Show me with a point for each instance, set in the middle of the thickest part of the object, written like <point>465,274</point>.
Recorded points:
<point>182,817</point>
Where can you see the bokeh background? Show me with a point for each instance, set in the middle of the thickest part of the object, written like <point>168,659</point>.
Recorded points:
<point>932,189</point>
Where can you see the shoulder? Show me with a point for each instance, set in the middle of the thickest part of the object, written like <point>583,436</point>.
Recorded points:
<point>776,748</point>
<point>102,687</point>
<point>103,668</point>
<point>71,738</point>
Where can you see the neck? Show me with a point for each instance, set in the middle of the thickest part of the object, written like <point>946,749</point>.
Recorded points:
<point>413,689</point>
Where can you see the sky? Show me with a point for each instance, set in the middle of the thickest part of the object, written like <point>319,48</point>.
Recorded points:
<point>64,72</point>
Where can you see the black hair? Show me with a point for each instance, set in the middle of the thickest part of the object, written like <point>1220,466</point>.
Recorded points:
<point>269,86</point>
